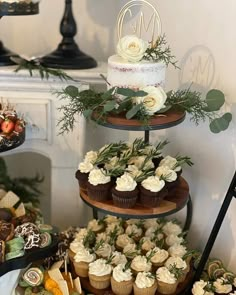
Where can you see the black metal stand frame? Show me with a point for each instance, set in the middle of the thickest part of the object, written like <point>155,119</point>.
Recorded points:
<point>215,230</point>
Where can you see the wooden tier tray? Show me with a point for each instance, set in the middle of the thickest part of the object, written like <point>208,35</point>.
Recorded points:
<point>161,121</point>
<point>180,289</point>
<point>176,199</point>
<point>30,256</point>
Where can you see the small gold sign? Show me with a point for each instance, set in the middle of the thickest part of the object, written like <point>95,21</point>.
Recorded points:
<point>140,18</point>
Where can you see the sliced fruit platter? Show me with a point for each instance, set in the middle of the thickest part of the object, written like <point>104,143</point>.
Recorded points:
<point>12,128</point>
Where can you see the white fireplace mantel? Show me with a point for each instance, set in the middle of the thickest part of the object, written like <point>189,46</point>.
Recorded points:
<point>35,99</point>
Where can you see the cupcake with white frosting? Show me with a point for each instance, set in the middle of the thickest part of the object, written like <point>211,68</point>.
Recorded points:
<point>81,261</point>
<point>122,280</point>
<point>222,286</point>
<point>177,250</point>
<point>134,231</point>
<point>158,257</point>
<point>171,227</point>
<point>118,258</point>
<point>180,264</point>
<point>103,250</point>
<point>172,239</point>
<point>125,192</point>
<point>146,245</point>
<point>97,226</point>
<point>152,191</point>
<point>84,168</point>
<point>99,185</point>
<point>131,250</point>
<point>166,281</point>
<point>199,288</point>
<point>100,274</point>
<point>122,241</point>
<point>145,284</point>
<point>140,264</point>
<point>167,174</point>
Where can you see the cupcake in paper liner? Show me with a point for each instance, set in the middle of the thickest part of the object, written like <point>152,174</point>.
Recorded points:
<point>152,191</point>
<point>125,192</point>
<point>100,274</point>
<point>122,280</point>
<point>81,261</point>
<point>99,185</point>
<point>166,281</point>
<point>145,284</point>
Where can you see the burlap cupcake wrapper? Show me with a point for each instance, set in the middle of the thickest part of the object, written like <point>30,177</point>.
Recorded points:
<point>145,291</point>
<point>100,282</point>
<point>121,288</point>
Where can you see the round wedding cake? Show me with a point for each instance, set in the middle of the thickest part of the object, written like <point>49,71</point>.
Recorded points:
<point>19,7</point>
<point>132,68</point>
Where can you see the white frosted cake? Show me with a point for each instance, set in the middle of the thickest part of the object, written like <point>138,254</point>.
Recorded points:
<point>122,73</point>
<point>134,65</point>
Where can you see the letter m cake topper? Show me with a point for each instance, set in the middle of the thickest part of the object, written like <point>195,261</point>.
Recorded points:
<point>140,18</point>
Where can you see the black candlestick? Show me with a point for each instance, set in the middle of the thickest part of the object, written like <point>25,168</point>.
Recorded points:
<point>68,55</point>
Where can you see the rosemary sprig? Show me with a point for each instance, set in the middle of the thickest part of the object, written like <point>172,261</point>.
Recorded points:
<point>44,72</point>
<point>126,266</point>
<point>159,51</point>
<point>108,152</point>
<point>89,239</point>
<point>98,245</point>
<point>177,272</point>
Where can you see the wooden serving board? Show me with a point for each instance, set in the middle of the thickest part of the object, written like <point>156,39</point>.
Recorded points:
<point>175,200</point>
<point>168,119</point>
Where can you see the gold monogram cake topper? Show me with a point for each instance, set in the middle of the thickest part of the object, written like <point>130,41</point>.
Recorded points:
<point>142,18</point>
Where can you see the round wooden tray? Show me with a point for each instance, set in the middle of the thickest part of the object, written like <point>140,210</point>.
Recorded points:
<point>30,256</point>
<point>161,121</point>
<point>180,289</point>
<point>176,199</point>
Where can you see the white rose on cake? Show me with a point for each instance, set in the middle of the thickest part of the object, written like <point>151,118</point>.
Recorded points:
<point>154,101</point>
<point>131,48</point>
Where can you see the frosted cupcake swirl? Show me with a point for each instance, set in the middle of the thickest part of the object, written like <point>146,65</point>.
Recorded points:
<point>151,222</point>
<point>120,274</point>
<point>222,287</point>
<point>160,255</point>
<point>125,183</point>
<point>91,157</point>
<point>123,240</point>
<point>84,255</point>
<point>171,228</point>
<point>100,268</point>
<point>76,245</point>
<point>130,250</point>
<point>153,184</point>
<point>85,167</point>
<point>97,176</point>
<point>173,239</point>
<point>168,174</point>
<point>133,230</point>
<point>140,263</point>
<point>177,261</point>
<point>170,162</point>
<point>111,219</point>
<point>104,250</point>
<point>144,280</point>
<point>165,276</point>
<point>118,258</point>
<point>81,234</point>
<point>147,244</point>
<point>115,226</point>
<point>177,250</point>
<point>198,288</point>
<point>94,225</point>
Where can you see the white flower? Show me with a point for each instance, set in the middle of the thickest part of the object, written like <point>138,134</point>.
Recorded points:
<point>131,48</point>
<point>154,100</point>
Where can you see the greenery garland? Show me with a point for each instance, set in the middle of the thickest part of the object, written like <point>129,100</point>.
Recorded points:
<point>103,104</point>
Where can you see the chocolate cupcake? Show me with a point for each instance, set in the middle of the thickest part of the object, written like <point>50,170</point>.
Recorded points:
<point>125,193</point>
<point>82,174</point>
<point>99,185</point>
<point>152,191</point>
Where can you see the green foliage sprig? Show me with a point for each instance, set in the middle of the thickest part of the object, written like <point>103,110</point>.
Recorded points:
<point>97,106</point>
<point>27,188</point>
<point>34,65</point>
<point>160,51</point>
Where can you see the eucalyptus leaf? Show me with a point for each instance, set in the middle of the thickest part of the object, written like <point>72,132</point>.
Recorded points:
<point>220,124</point>
<point>132,112</point>
<point>72,91</point>
<point>125,92</point>
<point>109,106</point>
<point>108,93</point>
<point>215,99</point>
<point>87,113</point>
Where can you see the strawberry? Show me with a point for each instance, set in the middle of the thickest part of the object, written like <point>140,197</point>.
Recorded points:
<point>19,126</point>
<point>7,126</point>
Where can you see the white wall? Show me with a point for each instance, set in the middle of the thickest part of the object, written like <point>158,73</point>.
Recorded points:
<point>203,38</point>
